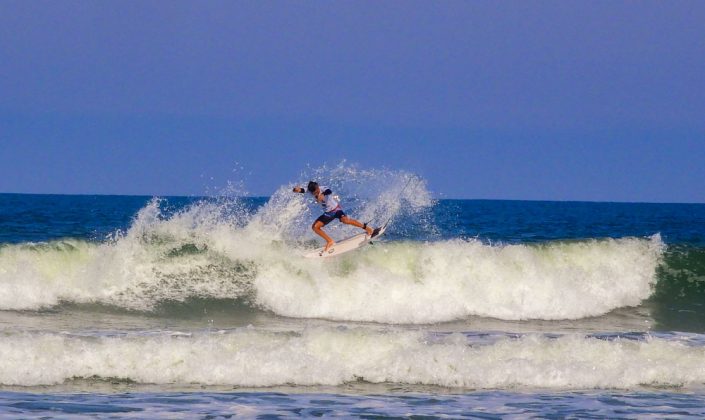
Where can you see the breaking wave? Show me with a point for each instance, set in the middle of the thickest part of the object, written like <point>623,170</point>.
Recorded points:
<point>220,249</point>
<point>334,356</point>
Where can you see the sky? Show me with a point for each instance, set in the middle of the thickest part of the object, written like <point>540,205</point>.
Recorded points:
<point>529,100</point>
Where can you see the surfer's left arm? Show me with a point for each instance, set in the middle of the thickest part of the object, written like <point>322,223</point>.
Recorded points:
<point>300,190</point>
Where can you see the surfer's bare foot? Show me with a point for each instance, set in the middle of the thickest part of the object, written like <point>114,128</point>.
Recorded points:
<point>369,230</point>
<point>329,245</point>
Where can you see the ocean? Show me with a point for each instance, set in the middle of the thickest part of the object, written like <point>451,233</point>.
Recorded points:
<point>188,307</point>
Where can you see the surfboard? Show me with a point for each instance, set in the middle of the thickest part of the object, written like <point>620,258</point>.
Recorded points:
<point>346,245</point>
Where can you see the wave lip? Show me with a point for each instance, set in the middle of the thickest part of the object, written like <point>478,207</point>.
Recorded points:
<point>326,356</point>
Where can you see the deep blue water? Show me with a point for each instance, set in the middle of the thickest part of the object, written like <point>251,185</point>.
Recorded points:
<point>92,217</point>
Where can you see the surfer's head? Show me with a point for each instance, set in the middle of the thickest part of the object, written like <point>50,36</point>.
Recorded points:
<point>312,185</point>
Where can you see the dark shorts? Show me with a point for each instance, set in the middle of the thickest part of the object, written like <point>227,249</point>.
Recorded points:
<point>329,216</point>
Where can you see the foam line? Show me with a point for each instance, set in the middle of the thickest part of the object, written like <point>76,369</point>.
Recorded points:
<point>325,356</point>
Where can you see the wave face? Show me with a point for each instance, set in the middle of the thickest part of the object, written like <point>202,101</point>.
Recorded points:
<point>682,275</point>
<point>328,356</point>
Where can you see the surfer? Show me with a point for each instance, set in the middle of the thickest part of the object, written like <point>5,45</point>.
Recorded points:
<point>331,211</point>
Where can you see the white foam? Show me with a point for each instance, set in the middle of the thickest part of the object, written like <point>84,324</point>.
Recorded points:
<point>391,283</point>
<point>325,356</point>
<point>135,270</point>
<point>442,281</point>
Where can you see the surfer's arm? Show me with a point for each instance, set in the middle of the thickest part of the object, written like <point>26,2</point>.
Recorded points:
<point>319,197</point>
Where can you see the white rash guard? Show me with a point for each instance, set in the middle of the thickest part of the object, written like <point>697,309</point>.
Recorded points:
<point>330,202</point>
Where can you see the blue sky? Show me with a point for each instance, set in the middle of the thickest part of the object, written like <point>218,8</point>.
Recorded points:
<point>557,100</point>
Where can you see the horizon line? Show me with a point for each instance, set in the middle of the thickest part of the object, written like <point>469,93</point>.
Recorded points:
<point>435,198</point>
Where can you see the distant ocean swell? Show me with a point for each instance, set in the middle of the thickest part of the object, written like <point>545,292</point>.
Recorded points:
<point>332,356</point>
<point>398,282</point>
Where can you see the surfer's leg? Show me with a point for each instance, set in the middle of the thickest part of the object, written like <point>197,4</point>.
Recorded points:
<point>349,221</point>
<point>317,227</point>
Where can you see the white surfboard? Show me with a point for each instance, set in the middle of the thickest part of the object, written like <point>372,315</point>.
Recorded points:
<point>346,245</point>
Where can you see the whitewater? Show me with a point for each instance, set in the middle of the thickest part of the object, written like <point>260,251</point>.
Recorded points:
<point>401,282</point>
<point>330,356</point>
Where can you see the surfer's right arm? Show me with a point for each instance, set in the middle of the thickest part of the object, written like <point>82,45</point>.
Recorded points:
<point>302,191</point>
